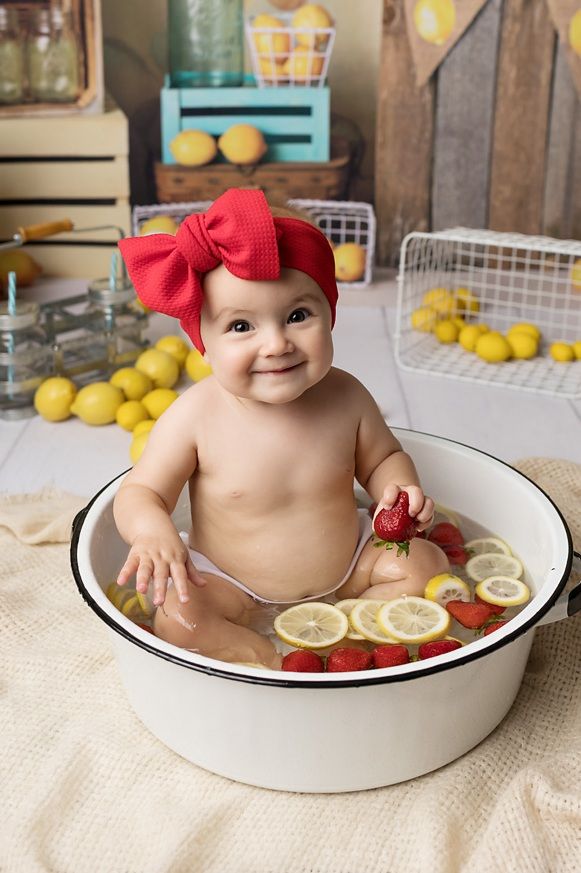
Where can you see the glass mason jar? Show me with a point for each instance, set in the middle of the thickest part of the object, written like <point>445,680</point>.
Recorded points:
<point>54,57</point>
<point>206,43</point>
<point>26,358</point>
<point>11,57</point>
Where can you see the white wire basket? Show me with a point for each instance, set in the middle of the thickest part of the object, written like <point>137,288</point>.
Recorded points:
<point>516,278</point>
<point>289,56</point>
<point>176,211</point>
<point>345,221</point>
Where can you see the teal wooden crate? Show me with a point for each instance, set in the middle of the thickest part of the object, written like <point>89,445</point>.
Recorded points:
<point>295,122</point>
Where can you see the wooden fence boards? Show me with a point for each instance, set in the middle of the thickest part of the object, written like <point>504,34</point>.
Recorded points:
<point>557,206</point>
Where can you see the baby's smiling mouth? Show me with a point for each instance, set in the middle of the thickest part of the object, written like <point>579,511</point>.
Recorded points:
<point>277,371</point>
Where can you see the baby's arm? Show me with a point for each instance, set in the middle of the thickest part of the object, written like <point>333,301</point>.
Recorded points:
<point>146,499</point>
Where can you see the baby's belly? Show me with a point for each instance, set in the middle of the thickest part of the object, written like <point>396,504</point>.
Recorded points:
<point>281,558</point>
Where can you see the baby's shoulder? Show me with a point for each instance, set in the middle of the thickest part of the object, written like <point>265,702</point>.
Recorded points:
<point>345,384</point>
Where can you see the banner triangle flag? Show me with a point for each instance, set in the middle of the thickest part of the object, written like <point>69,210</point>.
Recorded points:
<point>566,15</point>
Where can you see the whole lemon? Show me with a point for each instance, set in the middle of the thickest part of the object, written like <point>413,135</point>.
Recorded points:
<point>307,18</point>
<point>25,267</point>
<point>576,268</point>
<point>435,20</point>
<point>158,400</point>
<point>275,46</point>
<point>483,327</point>
<point>577,349</point>
<point>54,397</point>
<point>196,367</point>
<point>193,148</point>
<point>271,71</point>
<point>132,382</point>
<point>469,336</point>
<point>522,344</point>
<point>98,403</point>
<point>162,369</point>
<point>562,352</point>
<point>434,295</point>
<point>174,346</point>
<point>459,322</point>
<point>137,446</point>
<point>446,331</point>
<point>242,144</point>
<point>159,224</point>
<point>302,65</point>
<point>143,426</point>
<point>424,319</point>
<point>465,300</point>
<point>575,32</point>
<point>525,327</point>
<point>130,413</point>
<point>349,262</point>
<point>493,347</point>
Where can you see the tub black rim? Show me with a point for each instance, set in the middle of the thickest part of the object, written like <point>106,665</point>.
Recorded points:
<point>428,670</point>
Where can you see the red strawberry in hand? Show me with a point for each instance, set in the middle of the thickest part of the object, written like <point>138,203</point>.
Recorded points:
<point>345,660</point>
<point>390,656</point>
<point>300,661</point>
<point>395,526</point>
<point>472,615</point>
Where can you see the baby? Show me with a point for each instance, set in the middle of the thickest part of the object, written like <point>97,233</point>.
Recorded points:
<point>269,445</point>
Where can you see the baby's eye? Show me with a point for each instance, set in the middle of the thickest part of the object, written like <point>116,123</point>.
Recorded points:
<point>239,326</point>
<point>298,315</point>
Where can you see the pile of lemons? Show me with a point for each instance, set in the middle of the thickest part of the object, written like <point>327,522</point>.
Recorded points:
<point>241,144</point>
<point>134,397</point>
<point>294,53</point>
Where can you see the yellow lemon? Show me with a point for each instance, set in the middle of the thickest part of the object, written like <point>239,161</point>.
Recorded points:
<point>483,327</point>
<point>446,331</point>
<point>493,347</point>
<point>445,587</point>
<point>275,46</point>
<point>196,367</point>
<point>577,349</point>
<point>307,18</point>
<point>143,426</point>
<point>522,345</point>
<point>130,413</point>
<point>98,403</point>
<point>242,144</point>
<point>434,295</point>
<point>137,446</point>
<point>561,352</point>
<point>162,369</point>
<point>466,300</point>
<point>469,336</point>
<point>54,397</point>
<point>349,262</point>
<point>158,400</point>
<point>525,327</point>
<point>132,382</point>
<point>271,71</point>
<point>193,148</point>
<point>575,32</point>
<point>459,322</point>
<point>424,319</point>
<point>158,224</point>
<point>435,20</point>
<point>303,65</point>
<point>25,267</point>
<point>174,346</point>
<point>576,271</point>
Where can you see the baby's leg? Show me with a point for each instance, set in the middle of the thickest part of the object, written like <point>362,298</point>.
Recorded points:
<point>360,578</point>
<point>214,622</point>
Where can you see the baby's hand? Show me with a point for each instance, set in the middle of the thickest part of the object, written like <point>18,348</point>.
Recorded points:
<point>154,560</point>
<point>421,507</point>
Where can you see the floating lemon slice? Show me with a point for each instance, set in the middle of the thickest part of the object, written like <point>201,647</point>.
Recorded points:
<point>503,591</point>
<point>445,587</point>
<point>118,595</point>
<point>346,606</point>
<point>311,625</point>
<point>493,564</point>
<point>137,607</point>
<point>488,544</point>
<point>413,619</point>
<point>362,619</point>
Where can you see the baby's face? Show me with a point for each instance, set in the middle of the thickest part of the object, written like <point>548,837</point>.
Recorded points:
<point>267,341</point>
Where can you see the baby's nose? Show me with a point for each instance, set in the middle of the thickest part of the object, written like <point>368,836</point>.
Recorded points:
<point>276,342</point>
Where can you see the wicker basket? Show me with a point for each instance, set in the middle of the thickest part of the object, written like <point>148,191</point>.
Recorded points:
<point>279,181</point>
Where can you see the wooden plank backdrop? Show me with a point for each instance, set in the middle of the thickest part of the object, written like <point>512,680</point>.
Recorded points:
<point>493,140</point>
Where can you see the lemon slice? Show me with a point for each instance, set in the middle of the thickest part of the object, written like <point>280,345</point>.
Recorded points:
<point>364,622</point>
<point>483,545</point>
<point>503,591</point>
<point>311,625</point>
<point>413,619</point>
<point>445,587</point>
<point>118,595</point>
<point>493,564</point>
<point>346,606</point>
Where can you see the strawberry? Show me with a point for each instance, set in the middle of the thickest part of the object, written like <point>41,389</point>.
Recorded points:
<point>395,526</point>
<point>495,625</point>
<point>438,647</point>
<point>446,534</point>
<point>471,615</point>
<point>456,554</point>
<point>390,656</point>
<point>144,627</point>
<point>496,610</point>
<point>300,661</point>
<point>344,660</point>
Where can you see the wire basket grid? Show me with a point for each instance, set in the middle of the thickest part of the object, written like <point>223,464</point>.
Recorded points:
<point>176,211</point>
<point>289,56</point>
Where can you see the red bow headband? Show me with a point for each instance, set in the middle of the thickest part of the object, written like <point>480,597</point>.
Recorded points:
<point>239,231</point>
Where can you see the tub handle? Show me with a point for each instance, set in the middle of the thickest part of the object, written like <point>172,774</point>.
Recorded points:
<point>567,604</point>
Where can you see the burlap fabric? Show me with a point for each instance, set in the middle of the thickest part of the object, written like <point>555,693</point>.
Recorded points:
<point>84,787</point>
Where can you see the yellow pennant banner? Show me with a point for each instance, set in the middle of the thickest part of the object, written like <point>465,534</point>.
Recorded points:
<point>566,15</point>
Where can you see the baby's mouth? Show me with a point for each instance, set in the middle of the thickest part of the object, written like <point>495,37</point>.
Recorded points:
<point>277,371</point>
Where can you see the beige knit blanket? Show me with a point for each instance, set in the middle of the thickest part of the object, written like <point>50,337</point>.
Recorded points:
<point>85,788</point>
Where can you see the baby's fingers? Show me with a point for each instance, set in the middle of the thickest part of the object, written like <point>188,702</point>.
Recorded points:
<point>143,575</point>
<point>193,575</point>
<point>426,514</point>
<point>179,577</point>
<point>127,570</point>
<point>388,498</point>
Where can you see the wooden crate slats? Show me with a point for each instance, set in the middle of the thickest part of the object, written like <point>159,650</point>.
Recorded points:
<point>574,219</point>
<point>464,115</point>
<point>73,261</point>
<point>404,139</point>
<point>523,92</point>
<point>78,135</point>
<point>55,180</point>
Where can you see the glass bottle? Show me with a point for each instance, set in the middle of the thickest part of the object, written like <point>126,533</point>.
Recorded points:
<point>26,359</point>
<point>54,57</point>
<point>206,44</point>
<point>11,57</point>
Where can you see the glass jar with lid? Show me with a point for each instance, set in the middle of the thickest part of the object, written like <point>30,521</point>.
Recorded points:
<point>54,56</point>
<point>206,43</point>
<point>12,74</point>
<point>26,358</point>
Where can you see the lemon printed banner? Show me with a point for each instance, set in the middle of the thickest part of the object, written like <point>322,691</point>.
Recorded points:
<point>566,15</point>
